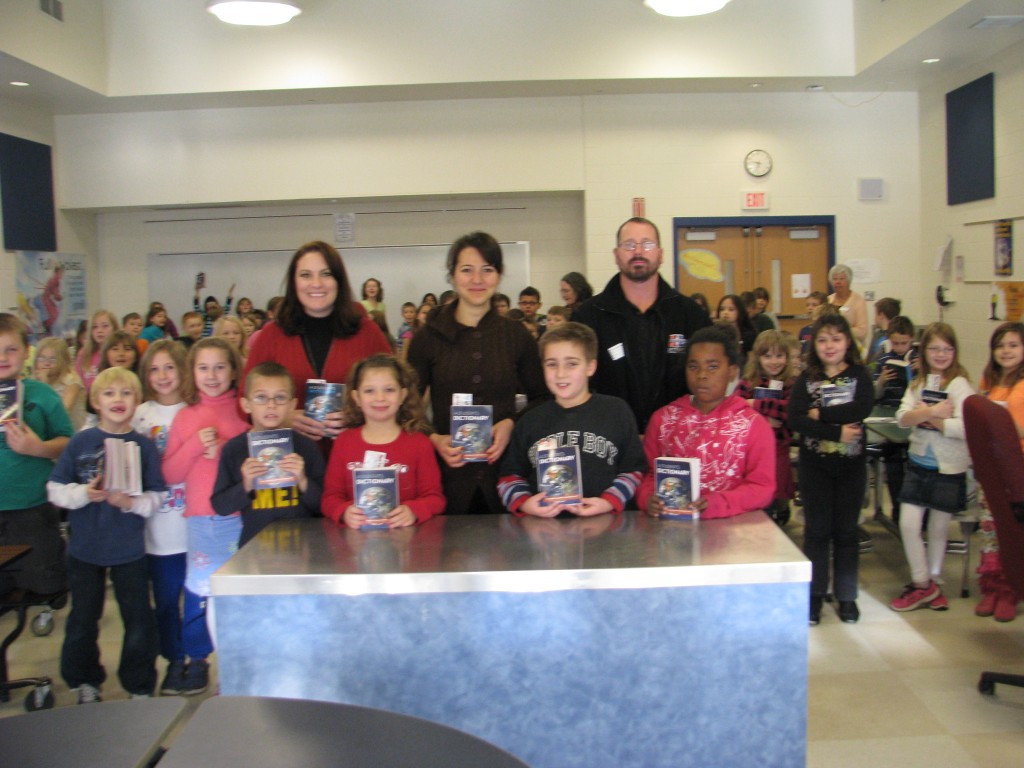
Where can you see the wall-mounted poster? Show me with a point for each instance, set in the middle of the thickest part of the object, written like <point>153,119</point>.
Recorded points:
<point>51,293</point>
<point>1004,248</point>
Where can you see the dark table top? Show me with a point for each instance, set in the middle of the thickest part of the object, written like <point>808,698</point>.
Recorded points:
<point>110,734</point>
<point>229,731</point>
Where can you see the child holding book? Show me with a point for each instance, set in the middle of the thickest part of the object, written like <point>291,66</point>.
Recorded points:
<point>734,443</point>
<point>163,371</point>
<point>936,478</point>
<point>269,398</point>
<point>30,442</point>
<point>766,386</point>
<point>107,536</point>
<point>193,453</point>
<point>385,416</point>
<point>829,401</point>
<point>612,459</point>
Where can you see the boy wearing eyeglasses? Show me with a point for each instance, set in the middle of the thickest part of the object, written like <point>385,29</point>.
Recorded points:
<point>269,398</point>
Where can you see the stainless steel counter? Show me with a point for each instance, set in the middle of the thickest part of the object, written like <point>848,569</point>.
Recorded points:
<point>501,553</point>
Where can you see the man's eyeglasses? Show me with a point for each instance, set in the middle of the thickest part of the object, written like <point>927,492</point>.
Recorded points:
<point>630,245</point>
<point>276,399</point>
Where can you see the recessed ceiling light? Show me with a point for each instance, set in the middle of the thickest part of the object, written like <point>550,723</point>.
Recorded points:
<point>685,7</point>
<point>19,83</point>
<point>815,87</point>
<point>930,61</point>
<point>255,13</point>
<point>756,85</point>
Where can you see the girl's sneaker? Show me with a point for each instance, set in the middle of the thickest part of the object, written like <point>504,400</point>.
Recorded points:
<point>914,597</point>
<point>940,603</point>
<point>88,694</point>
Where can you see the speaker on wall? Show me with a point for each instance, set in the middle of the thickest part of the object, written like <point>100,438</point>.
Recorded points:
<point>26,195</point>
<point>970,142</point>
<point>870,189</point>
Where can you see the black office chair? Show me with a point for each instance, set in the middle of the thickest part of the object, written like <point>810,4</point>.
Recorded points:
<point>999,467</point>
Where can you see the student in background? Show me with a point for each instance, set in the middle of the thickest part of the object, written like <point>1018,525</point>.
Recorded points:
<point>735,445</point>
<point>120,351</point>
<point>28,448</point>
<point>529,303</point>
<point>896,368</point>
<point>197,435</point>
<point>558,316</point>
<point>132,325</point>
<point>501,303</point>
<point>771,370</point>
<point>269,399</point>
<point>814,300</point>
<point>936,480</point>
<point>406,329</point>
<point>762,319</point>
<point>372,297</point>
<point>732,309</point>
<point>107,537</point>
<point>385,415</point>
<point>1002,382</point>
<point>87,362</point>
<point>244,306</point>
<point>211,310</point>
<point>231,328</point>
<point>192,329</point>
<point>163,373</point>
<point>885,310</point>
<point>156,325</point>
<point>53,366</point>
<point>611,457</point>
<point>829,401</point>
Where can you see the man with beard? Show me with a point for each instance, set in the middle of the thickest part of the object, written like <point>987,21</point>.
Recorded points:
<point>642,326</point>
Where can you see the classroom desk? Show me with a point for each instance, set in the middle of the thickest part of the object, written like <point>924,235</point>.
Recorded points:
<point>882,424</point>
<point>584,642</point>
<point>110,734</point>
<point>229,731</point>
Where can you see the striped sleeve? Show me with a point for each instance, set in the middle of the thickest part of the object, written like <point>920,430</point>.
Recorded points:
<point>622,490</point>
<point>514,490</point>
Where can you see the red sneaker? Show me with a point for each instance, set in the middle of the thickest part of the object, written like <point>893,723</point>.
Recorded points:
<point>987,605</point>
<point>940,603</point>
<point>914,597</point>
<point>1006,606</point>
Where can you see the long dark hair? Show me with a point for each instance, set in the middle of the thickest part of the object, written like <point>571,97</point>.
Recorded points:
<point>579,285</point>
<point>346,316</point>
<point>742,318</point>
<point>815,368</point>
<point>994,374</point>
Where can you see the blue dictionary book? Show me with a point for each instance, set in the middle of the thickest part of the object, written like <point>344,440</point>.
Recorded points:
<point>270,446</point>
<point>769,393</point>
<point>838,394</point>
<point>558,475</point>
<point>376,493</point>
<point>471,430</point>
<point>677,484</point>
<point>323,397</point>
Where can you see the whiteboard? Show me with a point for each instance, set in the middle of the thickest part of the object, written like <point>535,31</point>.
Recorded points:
<point>406,272</point>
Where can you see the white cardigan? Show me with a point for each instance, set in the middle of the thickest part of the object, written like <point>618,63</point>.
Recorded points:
<point>949,447</point>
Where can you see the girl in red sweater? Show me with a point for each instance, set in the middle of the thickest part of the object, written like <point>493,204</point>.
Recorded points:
<point>385,414</point>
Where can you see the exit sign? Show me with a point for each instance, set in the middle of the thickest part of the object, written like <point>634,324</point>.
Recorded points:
<point>754,201</point>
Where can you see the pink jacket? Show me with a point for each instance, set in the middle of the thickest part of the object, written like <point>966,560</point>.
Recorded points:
<point>184,461</point>
<point>734,443</point>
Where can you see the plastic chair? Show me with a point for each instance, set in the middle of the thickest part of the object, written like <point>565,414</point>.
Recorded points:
<point>999,466</point>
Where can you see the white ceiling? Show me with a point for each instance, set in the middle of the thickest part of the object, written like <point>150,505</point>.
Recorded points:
<point>139,55</point>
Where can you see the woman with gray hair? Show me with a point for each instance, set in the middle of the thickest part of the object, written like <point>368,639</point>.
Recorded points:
<point>851,304</point>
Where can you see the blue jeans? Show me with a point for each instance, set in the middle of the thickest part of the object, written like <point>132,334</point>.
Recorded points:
<point>80,655</point>
<point>168,575</point>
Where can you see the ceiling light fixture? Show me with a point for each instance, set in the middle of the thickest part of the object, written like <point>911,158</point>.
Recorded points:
<point>19,83</point>
<point>254,13</point>
<point>930,61</point>
<point>685,7</point>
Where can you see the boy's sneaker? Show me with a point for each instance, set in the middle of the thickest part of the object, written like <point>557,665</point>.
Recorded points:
<point>849,613</point>
<point>914,597</point>
<point>88,694</point>
<point>174,680</point>
<point>940,603</point>
<point>197,677</point>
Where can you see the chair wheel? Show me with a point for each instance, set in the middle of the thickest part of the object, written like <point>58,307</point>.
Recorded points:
<point>986,687</point>
<point>39,698</point>
<point>42,624</point>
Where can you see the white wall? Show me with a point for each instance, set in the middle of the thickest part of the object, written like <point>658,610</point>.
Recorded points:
<point>975,241</point>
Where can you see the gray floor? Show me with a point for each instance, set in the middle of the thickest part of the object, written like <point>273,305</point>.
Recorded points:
<point>894,689</point>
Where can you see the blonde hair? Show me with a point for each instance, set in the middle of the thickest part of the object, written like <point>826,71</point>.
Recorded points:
<point>218,329</point>
<point>63,368</point>
<point>173,350</point>
<point>765,342</point>
<point>113,376</point>
<point>410,417</point>
<point>90,348</point>
<point>189,390</point>
<point>945,332</point>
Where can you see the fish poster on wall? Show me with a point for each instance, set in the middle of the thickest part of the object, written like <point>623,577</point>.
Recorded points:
<point>51,293</point>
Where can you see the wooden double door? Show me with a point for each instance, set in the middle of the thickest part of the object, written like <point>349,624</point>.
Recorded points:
<point>788,256</point>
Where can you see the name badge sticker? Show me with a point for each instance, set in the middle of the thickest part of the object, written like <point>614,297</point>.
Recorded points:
<point>617,352</point>
<point>676,343</point>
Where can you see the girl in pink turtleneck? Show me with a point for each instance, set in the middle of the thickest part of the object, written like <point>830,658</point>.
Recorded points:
<point>192,456</point>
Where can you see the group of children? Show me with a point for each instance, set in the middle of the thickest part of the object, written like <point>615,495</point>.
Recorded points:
<point>199,499</point>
